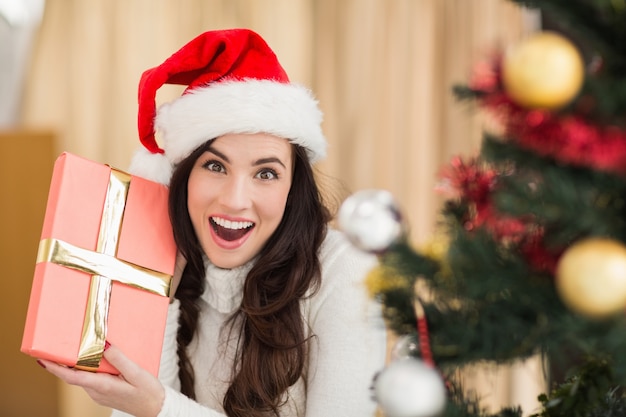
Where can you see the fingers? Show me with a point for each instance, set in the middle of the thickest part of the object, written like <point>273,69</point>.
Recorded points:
<point>147,393</point>
<point>134,374</point>
<point>129,369</point>
<point>74,376</point>
<point>135,391</point>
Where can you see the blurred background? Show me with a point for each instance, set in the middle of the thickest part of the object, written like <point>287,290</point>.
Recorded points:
<point>381,69</point>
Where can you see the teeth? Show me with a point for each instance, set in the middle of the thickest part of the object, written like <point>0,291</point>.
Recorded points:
<point>231,225</point>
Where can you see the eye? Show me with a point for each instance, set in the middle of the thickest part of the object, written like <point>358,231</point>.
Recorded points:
<point>267,174</point>
<point>213,166</point>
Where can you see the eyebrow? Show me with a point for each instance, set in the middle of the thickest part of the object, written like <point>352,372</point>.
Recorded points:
<point>261,161</point>
<point>269,160</point>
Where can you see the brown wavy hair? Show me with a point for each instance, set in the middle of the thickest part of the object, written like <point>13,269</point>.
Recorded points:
<point>271,352</point>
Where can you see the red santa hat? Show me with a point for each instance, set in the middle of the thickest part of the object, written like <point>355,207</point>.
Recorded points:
<point>235,84</point>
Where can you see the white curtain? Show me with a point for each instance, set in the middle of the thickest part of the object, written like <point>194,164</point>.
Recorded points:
<point>19,21</point>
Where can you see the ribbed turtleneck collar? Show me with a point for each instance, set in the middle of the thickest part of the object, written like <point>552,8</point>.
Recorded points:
<point>224,287</point>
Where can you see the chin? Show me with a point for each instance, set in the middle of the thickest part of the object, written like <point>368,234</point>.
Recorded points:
<point>228,262</point>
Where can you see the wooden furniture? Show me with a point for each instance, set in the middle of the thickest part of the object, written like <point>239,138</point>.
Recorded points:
<point>26,160</point>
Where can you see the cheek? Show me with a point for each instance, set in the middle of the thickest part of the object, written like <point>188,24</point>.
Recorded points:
<point>273,206</point>
<point>198,195</point>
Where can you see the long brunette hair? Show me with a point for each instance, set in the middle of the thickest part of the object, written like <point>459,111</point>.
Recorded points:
<point>272,345</point>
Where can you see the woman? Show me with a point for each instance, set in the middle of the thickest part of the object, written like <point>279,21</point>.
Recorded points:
<point>270,316</point>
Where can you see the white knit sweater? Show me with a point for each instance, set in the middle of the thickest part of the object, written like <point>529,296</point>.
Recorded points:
<point>349,347</point>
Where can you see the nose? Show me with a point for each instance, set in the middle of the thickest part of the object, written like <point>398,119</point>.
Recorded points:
<point>235,194</point>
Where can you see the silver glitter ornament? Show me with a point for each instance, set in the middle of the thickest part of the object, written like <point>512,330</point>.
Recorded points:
<point>371,220</point>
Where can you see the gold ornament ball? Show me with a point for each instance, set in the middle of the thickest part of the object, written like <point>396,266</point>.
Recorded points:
<point>545,71</point>
<point>591,277</point>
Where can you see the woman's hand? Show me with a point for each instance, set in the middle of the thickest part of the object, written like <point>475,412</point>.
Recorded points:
<point>135,391</point>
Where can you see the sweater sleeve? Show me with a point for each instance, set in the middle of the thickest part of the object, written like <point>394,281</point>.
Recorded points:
<point>168,369</point>
<point>349,345</point>
<point>178,405</point>
<point>175,403</point>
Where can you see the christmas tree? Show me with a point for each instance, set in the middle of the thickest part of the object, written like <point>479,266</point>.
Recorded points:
<point>530,254</point>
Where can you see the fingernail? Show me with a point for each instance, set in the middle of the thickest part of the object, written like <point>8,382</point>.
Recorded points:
<point>41,364</point>
<point>106,345</point>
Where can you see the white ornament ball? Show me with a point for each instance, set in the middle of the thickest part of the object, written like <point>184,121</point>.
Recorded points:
<point>371,220</point>
<point>410,388</point>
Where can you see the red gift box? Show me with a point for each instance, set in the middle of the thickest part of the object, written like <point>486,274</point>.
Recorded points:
<point>103,271</point>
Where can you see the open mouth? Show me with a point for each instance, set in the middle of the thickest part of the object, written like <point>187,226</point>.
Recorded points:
<point>230,230</point>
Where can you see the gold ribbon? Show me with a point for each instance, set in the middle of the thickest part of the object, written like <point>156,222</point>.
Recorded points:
<point>104,268</point>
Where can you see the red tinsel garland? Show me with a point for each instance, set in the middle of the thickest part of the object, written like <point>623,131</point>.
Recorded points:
<point>474,182</point>
<point>567,138</point>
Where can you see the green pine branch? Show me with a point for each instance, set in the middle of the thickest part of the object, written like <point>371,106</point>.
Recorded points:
<point>570,202</point>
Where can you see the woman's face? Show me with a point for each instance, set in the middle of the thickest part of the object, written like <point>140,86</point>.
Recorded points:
<point>237,193</point>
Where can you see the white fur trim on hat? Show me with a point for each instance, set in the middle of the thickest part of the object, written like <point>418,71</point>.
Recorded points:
<point>241,106</point>
<point>153,166</point>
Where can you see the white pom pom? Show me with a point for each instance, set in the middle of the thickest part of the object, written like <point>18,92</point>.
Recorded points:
<point>153,166</point>
<point>410,388</point>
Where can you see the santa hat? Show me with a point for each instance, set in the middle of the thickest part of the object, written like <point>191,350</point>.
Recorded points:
<point>235,84</point>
